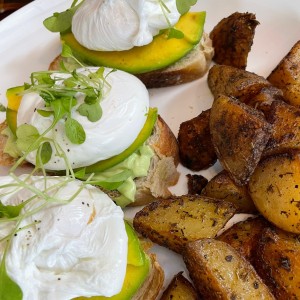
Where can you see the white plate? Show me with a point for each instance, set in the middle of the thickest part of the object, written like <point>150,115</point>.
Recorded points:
<point>26,46</point>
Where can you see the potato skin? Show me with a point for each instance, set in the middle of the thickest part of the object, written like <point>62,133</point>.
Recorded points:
<point>220,272</point>
<point>222,187</point>
<point>175,221</point>
<point>232,38</point>
<point>263,100</point>
<point>180,289</point>
<point>277,261</point>
<point>196,150</point>
<point>285,120</point>
<point>196,183</point>
<point>286,75</point>
<point>239,134</point>
<point>234,82</point>
<point>244,236</point>
<point>275,190</point>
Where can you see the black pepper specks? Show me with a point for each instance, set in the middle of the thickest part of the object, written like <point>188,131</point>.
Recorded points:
<point>228,258</point>
<point>285,263</point>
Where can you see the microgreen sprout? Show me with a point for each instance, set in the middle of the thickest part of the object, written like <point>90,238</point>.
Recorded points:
<point>172,32</point>
<point>61,22</point>
<point>59,91</point>
<point>2,108</point>
<point>183,6</point>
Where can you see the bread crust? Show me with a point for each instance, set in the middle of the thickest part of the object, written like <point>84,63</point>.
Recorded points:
<point>189,68</point>
<point>154,282</point>
<point>163,170</point>
<point>164,142</point>
<point>55,63</point>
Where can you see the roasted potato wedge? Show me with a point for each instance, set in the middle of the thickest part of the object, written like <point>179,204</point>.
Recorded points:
<point>180,289</point>
<point>234,82</point>
<point>239,134</point>
<point>232,38</point>
<point>220,272</point>
<point>263,100</point>
<point>223,187</point>
<point>196,183</point>
<point>176,221</point>
<point>196,150</point>
<point>285,120</point>
<point>275,190</point>
<point>286,75</point>
<point>278,262</point>
<point>244,236</point>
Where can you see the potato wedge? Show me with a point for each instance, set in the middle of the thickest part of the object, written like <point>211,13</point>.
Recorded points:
<point>239,134</point>
<point>223,187</point>
<point>278,262</point>
<point>220,272</point>
<point>244,236</point>
<point>196,150</point>
<point>275,190</point>
<point>232,38</point>
<point>285,120</point>
<point>263,100</point>
<point>234,82</point>
<point>196,183</point>
<point>180,289</point>
<point>176,221</point>
<point>286,75</point>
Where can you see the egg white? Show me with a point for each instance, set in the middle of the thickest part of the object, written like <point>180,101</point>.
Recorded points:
<point>125,105</point>
<point>110,25</point>
<point>70,250</point>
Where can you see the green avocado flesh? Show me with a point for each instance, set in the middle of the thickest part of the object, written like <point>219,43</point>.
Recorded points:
<point>138,266</point>
<point>160,53</point>
<point>138,142</point>
<point>13,103</point>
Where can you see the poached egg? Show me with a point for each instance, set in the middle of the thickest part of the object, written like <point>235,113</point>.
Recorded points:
<point>125,105</point>
<point>64,251</point>
<point>110,25</point>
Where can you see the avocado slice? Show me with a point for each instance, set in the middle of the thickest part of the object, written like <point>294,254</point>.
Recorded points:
<point>136,256</point>
<point>138,266</point>
<point>160,53</point>
<point>139,141</point>
<point>13,102</point>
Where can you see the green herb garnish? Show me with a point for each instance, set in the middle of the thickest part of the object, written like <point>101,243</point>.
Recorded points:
<point>2,108</point>
<point>183,6</point>
<point>74,131</point>
<point>8,288</point>
<point>59,91</point>
<point>61,22</point>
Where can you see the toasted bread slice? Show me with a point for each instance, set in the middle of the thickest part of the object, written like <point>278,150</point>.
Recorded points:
<point>191,67</point>
<point>163,169</point>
